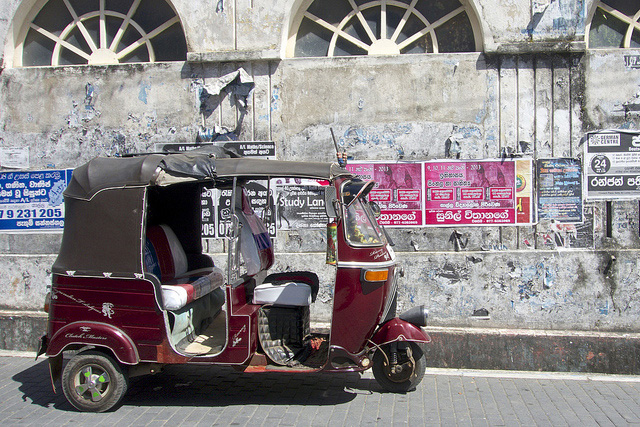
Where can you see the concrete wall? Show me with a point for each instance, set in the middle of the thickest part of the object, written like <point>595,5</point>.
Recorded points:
<point>533,83</point>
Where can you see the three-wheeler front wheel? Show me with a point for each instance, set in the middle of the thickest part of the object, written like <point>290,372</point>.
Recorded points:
<point>401,369</point>
<point>93,382</point>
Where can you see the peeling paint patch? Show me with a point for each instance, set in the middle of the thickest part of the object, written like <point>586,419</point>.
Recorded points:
<point>454,63</point>
<point>469,132</point>
<point>89,104</point>
<point>275,99</point>
<point>88,97</point>
<point>77,116</point>
<point>604,309</point>
<point>630,107</point>
<point>548,278</point>
<point>526,291</point>
<point>551,17</point>
<point>388,137</point>
<point>144,88</point>
<point>453,272</point>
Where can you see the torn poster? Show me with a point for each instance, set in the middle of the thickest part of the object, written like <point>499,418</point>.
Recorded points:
<point>237,84</point>
<point>557,235</point>
<point>14,157</point>
<point>524,192</point>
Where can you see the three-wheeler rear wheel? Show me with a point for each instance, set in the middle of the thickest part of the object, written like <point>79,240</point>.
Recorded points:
<point>399,367</point>
<point>93,382</point>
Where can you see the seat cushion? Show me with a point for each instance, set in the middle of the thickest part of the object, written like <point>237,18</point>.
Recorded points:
<point>179,292</point>
<point>164,255</point>
<point>307,277</point>
<point>286,294</point>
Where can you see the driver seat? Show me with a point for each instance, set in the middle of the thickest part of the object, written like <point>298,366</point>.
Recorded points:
<point>292,288</point>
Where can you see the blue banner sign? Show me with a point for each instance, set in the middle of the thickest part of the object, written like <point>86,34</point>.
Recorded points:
<point>31,201</point>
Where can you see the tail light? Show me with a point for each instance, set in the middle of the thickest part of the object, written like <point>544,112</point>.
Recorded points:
<point>47,302</point>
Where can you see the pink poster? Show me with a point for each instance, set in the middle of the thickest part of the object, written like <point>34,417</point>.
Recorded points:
<point>470,193</point>
<point>398,191</point>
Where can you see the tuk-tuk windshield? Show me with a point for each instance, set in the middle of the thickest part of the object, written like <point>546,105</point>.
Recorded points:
<point>361,227</point>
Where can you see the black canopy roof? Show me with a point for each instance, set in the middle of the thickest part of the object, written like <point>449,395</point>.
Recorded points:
<point>106,208</point>
<point>209,163</point>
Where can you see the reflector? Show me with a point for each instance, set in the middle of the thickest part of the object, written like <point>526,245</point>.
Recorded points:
<point>376,275</point>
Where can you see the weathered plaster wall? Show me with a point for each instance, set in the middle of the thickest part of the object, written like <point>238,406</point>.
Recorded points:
<point>97,110</point>
<point>406,111</point>
<point>381,108</point>
<point>527,289</point>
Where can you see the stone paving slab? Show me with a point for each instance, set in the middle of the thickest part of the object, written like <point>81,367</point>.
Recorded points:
<point>204,395</point>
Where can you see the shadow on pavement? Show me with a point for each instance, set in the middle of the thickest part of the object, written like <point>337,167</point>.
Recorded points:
<point>35,384</point>
<point>188,385</point>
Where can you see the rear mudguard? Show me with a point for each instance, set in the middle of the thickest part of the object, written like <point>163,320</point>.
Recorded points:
<point>97,335</point>
<point>397,329</point>
<point>55,370</point>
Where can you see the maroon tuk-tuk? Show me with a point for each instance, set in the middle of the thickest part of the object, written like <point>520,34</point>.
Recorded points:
<point>132,289</point>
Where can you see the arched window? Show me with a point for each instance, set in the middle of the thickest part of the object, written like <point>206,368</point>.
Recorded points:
<point>614,23</point>
<point>382,27</point>
<point>99,32</point>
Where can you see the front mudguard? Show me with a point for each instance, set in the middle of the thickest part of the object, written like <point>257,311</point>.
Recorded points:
<point>397,329</point>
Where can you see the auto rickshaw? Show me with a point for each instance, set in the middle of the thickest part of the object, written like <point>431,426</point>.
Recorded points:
<point>132,290</point>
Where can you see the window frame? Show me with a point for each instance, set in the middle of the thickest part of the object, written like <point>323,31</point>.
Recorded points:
<point>632,24</point>
<point>24,21</point>
<point>300,13</point>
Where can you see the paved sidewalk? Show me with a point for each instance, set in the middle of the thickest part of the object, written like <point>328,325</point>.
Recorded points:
<point>195,395</point>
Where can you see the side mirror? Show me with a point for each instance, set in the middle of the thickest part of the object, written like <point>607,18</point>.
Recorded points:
<point>375,208</point>
<point>329,198</point>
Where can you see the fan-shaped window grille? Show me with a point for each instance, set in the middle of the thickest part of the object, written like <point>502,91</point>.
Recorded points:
<point>614,23</point>
<point>383,27</point>
<point>98,32</point>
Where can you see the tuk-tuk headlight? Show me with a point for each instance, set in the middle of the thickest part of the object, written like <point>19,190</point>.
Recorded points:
<point>416,315</point>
